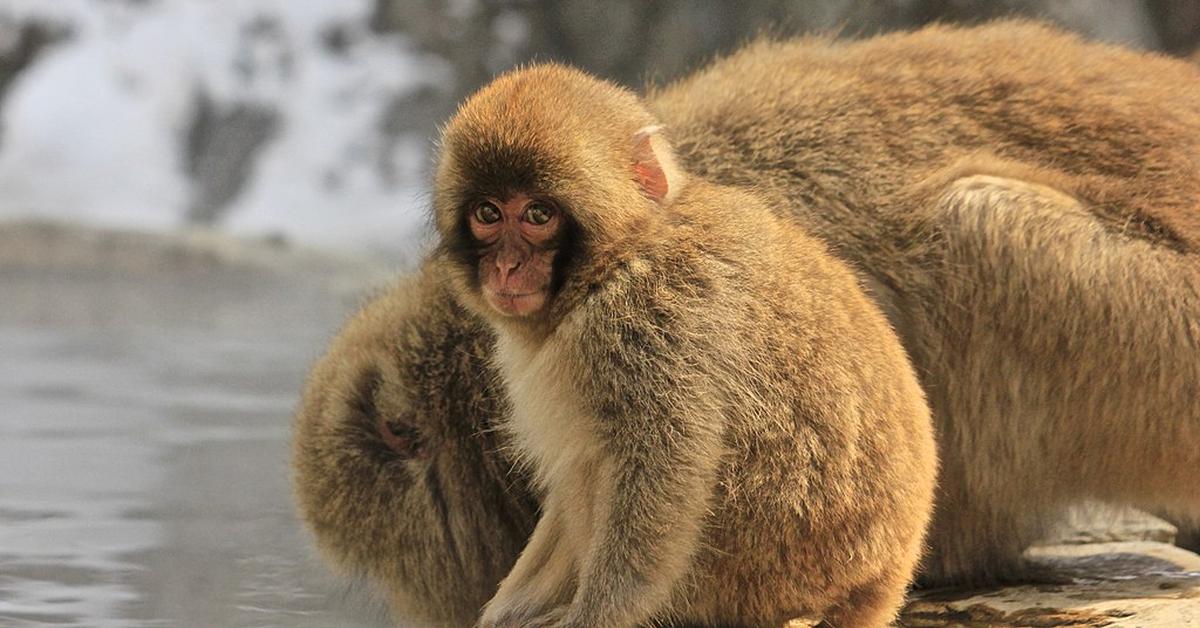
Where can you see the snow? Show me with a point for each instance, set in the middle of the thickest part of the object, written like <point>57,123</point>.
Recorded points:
<point>95,130</point>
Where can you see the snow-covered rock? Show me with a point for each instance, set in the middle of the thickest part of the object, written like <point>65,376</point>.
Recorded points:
<point>97,129</point>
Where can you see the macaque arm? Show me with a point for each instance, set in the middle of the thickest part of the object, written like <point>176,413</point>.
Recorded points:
<point>662,431</point>
<point>539,579</point>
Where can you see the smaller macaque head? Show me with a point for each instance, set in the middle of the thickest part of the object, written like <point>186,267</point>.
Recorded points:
<point>536,169</point>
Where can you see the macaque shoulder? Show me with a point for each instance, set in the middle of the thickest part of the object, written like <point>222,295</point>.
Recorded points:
<point>687,283</point>
<point>723,232</point>
<point>723,211</point>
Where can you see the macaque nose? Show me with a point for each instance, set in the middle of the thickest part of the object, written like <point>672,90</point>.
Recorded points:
<point>506,265</point>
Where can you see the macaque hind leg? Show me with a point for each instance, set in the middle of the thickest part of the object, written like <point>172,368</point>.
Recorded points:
<point>873,605</point>
<point>1062,361</point>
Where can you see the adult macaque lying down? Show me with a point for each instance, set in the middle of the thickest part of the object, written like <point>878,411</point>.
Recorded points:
<point>1024,207</point>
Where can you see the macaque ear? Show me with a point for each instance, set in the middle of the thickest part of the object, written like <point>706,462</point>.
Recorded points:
<point>654,166</point>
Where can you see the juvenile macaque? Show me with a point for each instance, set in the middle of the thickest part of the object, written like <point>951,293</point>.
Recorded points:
<point>1022,204</point>
<point>724,428</point>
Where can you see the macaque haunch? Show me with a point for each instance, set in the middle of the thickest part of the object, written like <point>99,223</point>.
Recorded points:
<point>1024,206</point>
<point>723,426</point>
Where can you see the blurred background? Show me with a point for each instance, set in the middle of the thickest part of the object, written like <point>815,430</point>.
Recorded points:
<point>313,120</point>
<point>193,193</point>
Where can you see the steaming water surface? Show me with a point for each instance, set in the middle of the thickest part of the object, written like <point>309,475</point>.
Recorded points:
<point>144,426</point>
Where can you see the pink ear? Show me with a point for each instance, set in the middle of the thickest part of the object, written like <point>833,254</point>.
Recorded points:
<point>646,167</point>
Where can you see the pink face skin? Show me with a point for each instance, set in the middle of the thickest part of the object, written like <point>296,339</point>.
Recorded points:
<point>517,259</point>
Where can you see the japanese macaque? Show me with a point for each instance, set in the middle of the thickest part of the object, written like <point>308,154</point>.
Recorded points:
<point>723,427</point>
<point>399,471</point>
<point>1025,208</point>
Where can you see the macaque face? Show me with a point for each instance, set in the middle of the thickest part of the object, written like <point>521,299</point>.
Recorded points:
<point>517,239</point>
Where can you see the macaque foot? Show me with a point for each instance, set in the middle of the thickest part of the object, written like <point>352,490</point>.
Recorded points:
<point>555,618</point>
<point>523,618</point>
<point>503,616</point>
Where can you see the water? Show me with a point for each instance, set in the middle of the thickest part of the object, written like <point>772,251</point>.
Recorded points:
<point>144,428</point>
<point>145,404</point>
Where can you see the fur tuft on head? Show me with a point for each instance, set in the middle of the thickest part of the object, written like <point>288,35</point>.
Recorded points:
<point>552,130</point>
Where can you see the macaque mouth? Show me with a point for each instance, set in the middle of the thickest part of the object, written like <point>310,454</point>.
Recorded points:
<point>517,303</point>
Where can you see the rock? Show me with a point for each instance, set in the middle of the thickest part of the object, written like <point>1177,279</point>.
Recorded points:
<point>1132,583</point>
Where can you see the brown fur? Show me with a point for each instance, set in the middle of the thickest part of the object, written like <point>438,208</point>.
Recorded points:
<point>1058,345</point>
<point>726,429</point>
<point>853,126</point>
<point>1029,207</point>
<point>435,532</point>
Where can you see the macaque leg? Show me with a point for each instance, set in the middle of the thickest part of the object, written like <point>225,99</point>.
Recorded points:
<point>537,582</point>
<point>873,605</point>
<point>984,540</point>
<point>1062,361</point>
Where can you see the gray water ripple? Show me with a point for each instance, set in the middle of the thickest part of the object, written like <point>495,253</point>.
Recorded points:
<point>143,455</point>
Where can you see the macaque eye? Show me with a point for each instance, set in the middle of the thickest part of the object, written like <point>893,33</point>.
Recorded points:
<point>487,213</point>
<point>538,213</point>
